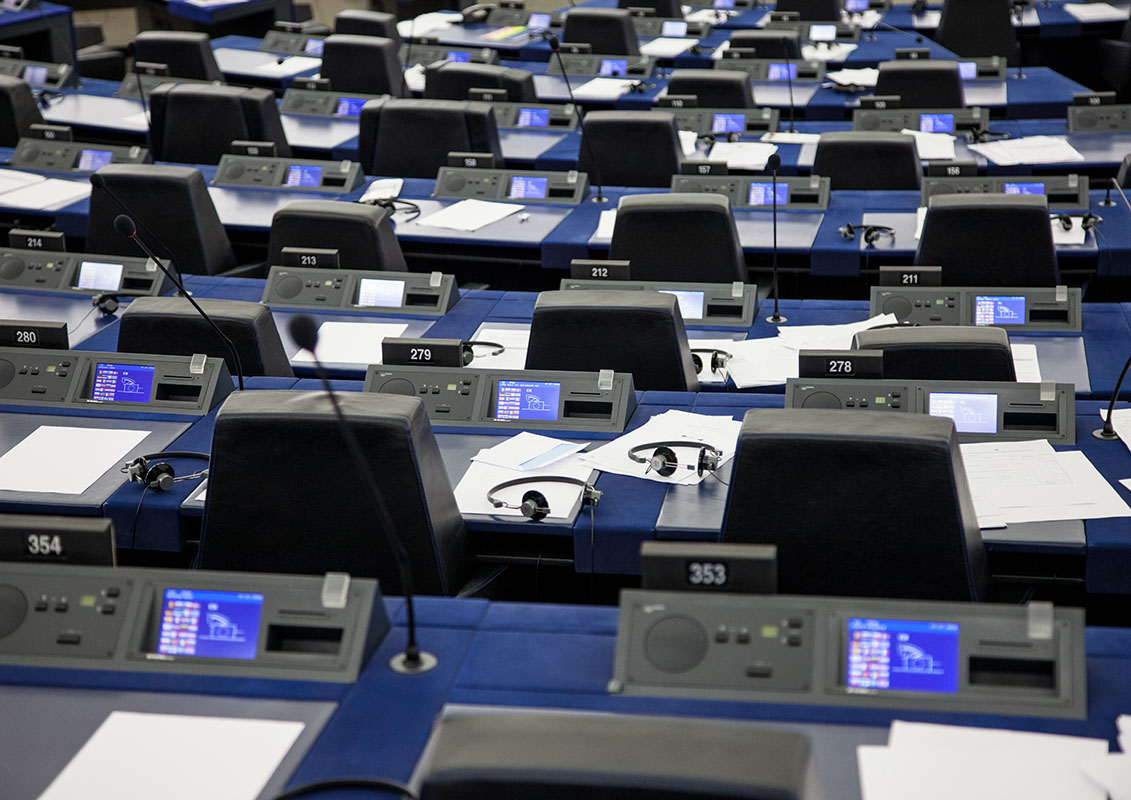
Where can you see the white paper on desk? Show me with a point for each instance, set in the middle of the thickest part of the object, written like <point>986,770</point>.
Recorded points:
<point>34,465</point>
<point>1112,772</point>
<point>47,195</point>
<point>291,66</point>
<point>423,24</point>
<point>14,179</point>
<point>470,215</point>
<point>563,498</point>
<point>688,141</point>
<point>836,51</point>
<point>528,451</point>
<point>414,78</point>
<point>743,155</point>
<point>1074,235</point>
<point>784,137</point>
<point>351,342</point>
<point>950,738</point>
<point>514,337</point>
<point>1123,723</point>
<point>382,189</point>
<point>1121,421</point>
<point>864,76</point>
<point>602,89</point>
<point>920,218</point>
<point>761,362</point>
<point>1029,150</point>
<point>867,19</point>
<point>1096,12</point>
<point>829,337</point>
<point>932,146</point>
<point>928,19</point>
<point>1026,363</point>
<point>712,16</point>
<point>134,755</point>
<point>605,224</point>
<point>207,3</point>
<point>666,47</point>
<point>140,118</point>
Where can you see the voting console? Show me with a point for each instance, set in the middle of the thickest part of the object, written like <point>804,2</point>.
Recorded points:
<point>227,624</point>
<point>62,156</point>
<point>37,73</point>
<point>1053,308</point>
<point>417,293</point>
<point>727,121</point>
<point>529,186</point>
<point>954,121</point>
<point>723,304</point>
<point>768,69</point>
<point>288,173</point>
<point>809,193</point>
<point>901,654</point>
<point>1065,192</point>
<point>79,273</point>
<point>325,104</point>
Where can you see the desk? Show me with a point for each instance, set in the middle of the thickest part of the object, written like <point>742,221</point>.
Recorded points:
<point>43,30</point>
<point>250,17</point>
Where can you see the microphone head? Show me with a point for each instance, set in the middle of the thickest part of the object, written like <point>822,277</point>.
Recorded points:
<point>554,42</point>
<point>97,181</point>
<point>125,226</point>
<point>774,162</point>
<point>304,330</point>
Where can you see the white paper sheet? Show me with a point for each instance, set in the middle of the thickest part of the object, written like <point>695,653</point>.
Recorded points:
<point>14,178</point>
<point>1121,422</point>
<point>1074,235</point>
<point>133,756</point>
<point>1096,12</point>
<point>1123,723</point>
<point>469,215</point>
<point>920,218</point>
<point>139,119</point>
<point>864,76</point>
<point>47,195</point>
<point>563,498</point>
<point>666,47</point>
<point>1026,363</point>
<point>34,464</point>
<point>528,451</point>
<point>605,224</point>
<point>414,78</point>
<point>1029,150</point>
<point>602,89</point>
<point>351,342</point>
<point>712,16</point>
<point>291,66</point>
<point>836,51</point>
<point>1111,772</point>
<point>743,155</point>
<point>958,738</point>
<point>423,24</point>
<point>382,189</point>
<point>932,146</point>
<point>791,138</point>
<point>688,141</point>
<point>513,336</point>
<point>209,3</point>
<point>928,19</point>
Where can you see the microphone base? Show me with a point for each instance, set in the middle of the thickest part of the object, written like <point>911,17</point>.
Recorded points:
<point>776,319</point>
<point>1106,203</point>
<point>427,663</point>
<point>1019,76</point>
<point>599,199</point>
<point>1104,436</point>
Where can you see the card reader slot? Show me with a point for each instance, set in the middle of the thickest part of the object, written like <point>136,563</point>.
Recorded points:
<point>558,191</point>
<point>303,639</point>
<point>429,299</point>
<point>1048,315</point>
<point>334,180</point>
<point>1029,421</point>
<point>178,393</point>
<point>1019,672</point>
<point>137,284</point>
<point>586,409</point>
<point>714,311</point>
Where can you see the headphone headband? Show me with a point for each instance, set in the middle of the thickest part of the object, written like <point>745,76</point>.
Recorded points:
<point>665,461</point>
<point>534,504</point>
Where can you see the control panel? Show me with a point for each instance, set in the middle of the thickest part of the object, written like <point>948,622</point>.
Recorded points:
<point>820,33</point>
<point>670,28</point>
<point>292,43</point>
<point>536,116</point>
<point>769,69</point>
<point>898,654</point>
<point>721,122</point>
<point>219,624</point>
<point>722,304</point>
<point>148,83</point>
<point>507,14</point>
<point>982,410</point>
<point>983,68</point>
<point>1067,192</point>
<point>61,156</point>
<point>638,66</point>
<point>1083,119</point>
<point>513,399</point>
<point>181,385</point>
<point>803,194</point>
<point>529,186</point>
<point>1053,308</point>
<point>40,74</point>
<point>288,173</point>
<point>79,273</point>
<point>325,104</point>
<point>418,293</point>
<point>951,120</point>
<point>431,53</point>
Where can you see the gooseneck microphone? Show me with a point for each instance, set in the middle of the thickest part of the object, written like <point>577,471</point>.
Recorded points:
<point>1107,432</point>
<point>556,49</point>
<point>774,163</point>
<point>789,79</point>
<point>918,37</point>
<point>412,661</point>
<point>98,182</point>
<point>125,226</point>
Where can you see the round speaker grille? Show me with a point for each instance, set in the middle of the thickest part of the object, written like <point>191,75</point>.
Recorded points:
<point>676,644</point>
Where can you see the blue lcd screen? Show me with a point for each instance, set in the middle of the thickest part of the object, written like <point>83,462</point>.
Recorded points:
<point>902,655</point>
<point>613,66</point>
<point>724,3</point>
<point>123,383</point>
<point>538,22</point>
<point>1025,188</point>
<point>856,5</point>
<point>209,624</point>
<point>533,117</point>
<point>728,123</point>
<point>673,27</point>
<point>459,56</point>
<point>313,47</point>
<point>972,413</point>
<point>35,74</point>
<point>781,72</point>
<point>527,400</point>
<point>936,123</point>
<point>349,106</point>
<point>762,194</point>
<point>968,70</point>
<point>299,175</point>
<point>524,187</point>
<point>94,160</point>
<point>991,309</point>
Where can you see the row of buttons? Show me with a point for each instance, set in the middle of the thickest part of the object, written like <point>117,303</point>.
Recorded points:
<point>60,371</point>
<point>931,303</point>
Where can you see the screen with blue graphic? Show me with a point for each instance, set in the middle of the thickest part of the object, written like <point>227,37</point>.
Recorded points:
<point>533,117</point>
<point>524,187</point>
<point>209,624</point>
<point>991,309</point>
<point>35,74</point>
<point>458,56</point>
<point>673,27</point>
<point>94,160</point>
<point>728,123</point>
<point>538,22</point>
<point>972,413</point>
<point>936,123</point>
<point>1030,187</point>
<point>901,655</point>
<point>313,47</point>
<point>763,194</point>
<point>856,5</point>
<point>822,33</point>
<point>299,175</point>
<point>781,72</point>
<point>613,66</point>
<point>968,70</point>
<point>527,400</point>
<point>724,3</point>
<point>123,383</point>
<point>350,106</point>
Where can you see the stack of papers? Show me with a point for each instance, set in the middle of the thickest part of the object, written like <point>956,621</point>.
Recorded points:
<point>50,194</point>
<point>1074,235</point>
<point>672,426</point>
<point>528,452</point>
<point>928,19</point>
<point>603,89</point>
<point>1029,150</point>
<point>867,19</point>
<point>382,189</point>
<point>791,138</point>
<point>1014,482</point>
<point>424,24</point>
<point>414,77</point>
<point>743,155</point>
<point>837,51</point>
<point>712,16</point>
<point>1096,12</point>
<point>932,146</point>
<point>688,142</point>
<point>469,215</point>
<point>1112,771</point>
<point>865,76</point>
<point>356,343</point>
<point>665,47</point>
<point>1025,362</point>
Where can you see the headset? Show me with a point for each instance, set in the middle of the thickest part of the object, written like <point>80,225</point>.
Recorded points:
<point>109,302</point>
<point>872,233</point>
<point>665,462</point>
<point>160,477</point>
<point>534,505</point>
<point>719,359</point>
<point>467,354</point>
<point>1087,222</point>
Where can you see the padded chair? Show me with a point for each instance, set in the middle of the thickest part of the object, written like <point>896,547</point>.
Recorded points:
<point>368,64</point>
<point>858,504</point>
<point>362,234</point>
<point>284,497</point>
<point>232,112</point>
<point>714,88</point>
<point>451,80</point>
<point>637,332</point>
<point>18,110</point>
<point>412,138</point>
<point>1113,65</point>
<point>95,59</point>
<point>188,53</point>
<point>773,43</point>
<point>678,237</point>
<point>1123,177</point>
<point>941,353</point>
<point>865,160</point>
<point>608,31</point>
<point>357,22</point>
<point>651,160</point>
<point>665,9</point>
<point>974,28</point>
<point>827,10</point>
<point>989,240</point>
<point>171,326</point>
<point>172,204</point>
<point>926,83</point>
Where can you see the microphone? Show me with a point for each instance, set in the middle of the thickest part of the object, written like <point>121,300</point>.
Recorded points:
<point>918,37</point>
<point>774,163</point>
<point>789,79</point>
<point>1107,432</point>
<point>1107,202</point>
<point>412,661</point>
<point>125,226</point>
<point>556,49</point>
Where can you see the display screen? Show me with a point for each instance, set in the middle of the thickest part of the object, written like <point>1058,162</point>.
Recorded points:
<point>459,56</point>
<point>527,400</point>
<point>972,413</point>
<point>968,70</point>
<point>34,74</point>
<point>902,655</point>
<point>1031,187</point>
<point>936,123</point>
<point>613,66</point>
<point>526,188</point>
<point>724,3</point>
<point>856,5</point>
<point>313,47</point>
<point>690,303</point>
<point>673,27</point>
<point>123,383</point>
<point>349,106</point>
<point>378,292</point>
<point>533,117</point>
<point>538,21</point>
<point>728,123</point>
<point>100,276</point>
<point>299,175</point>
<point>781,72</point>
<point>990,309</point>
<point>209,624</point>
<point>763,194</point>
<point>822,33</point>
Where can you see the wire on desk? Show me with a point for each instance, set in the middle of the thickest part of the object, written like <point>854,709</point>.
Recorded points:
<point>137,513</point>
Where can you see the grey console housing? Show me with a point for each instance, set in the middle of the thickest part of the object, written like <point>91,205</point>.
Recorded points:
<point>637,66</point>
<point>44,73</point>
<point>1067,192</point>
<point>61,156</point>
<point>803,194</point>
<point>335,177</point>
<point>897,119</point>
<point>52,271</point>
<point>421,294</point>
<point>724,120</point>
<point>527,186</point>
<point>325,104</point>
<point>766,69</point>
<point>724,304</point>
<point>1052,308</point>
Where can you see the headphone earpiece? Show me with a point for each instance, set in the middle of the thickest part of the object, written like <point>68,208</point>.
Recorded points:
<point>847,231</point>
<point>466,354</point>
<point>663,461</point>
<point>535,506</point>
<point>1065,221</point>
<point>106,302</point>
<point>158,477</point>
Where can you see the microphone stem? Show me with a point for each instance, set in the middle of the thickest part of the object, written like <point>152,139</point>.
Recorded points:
<point>581,122</point>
